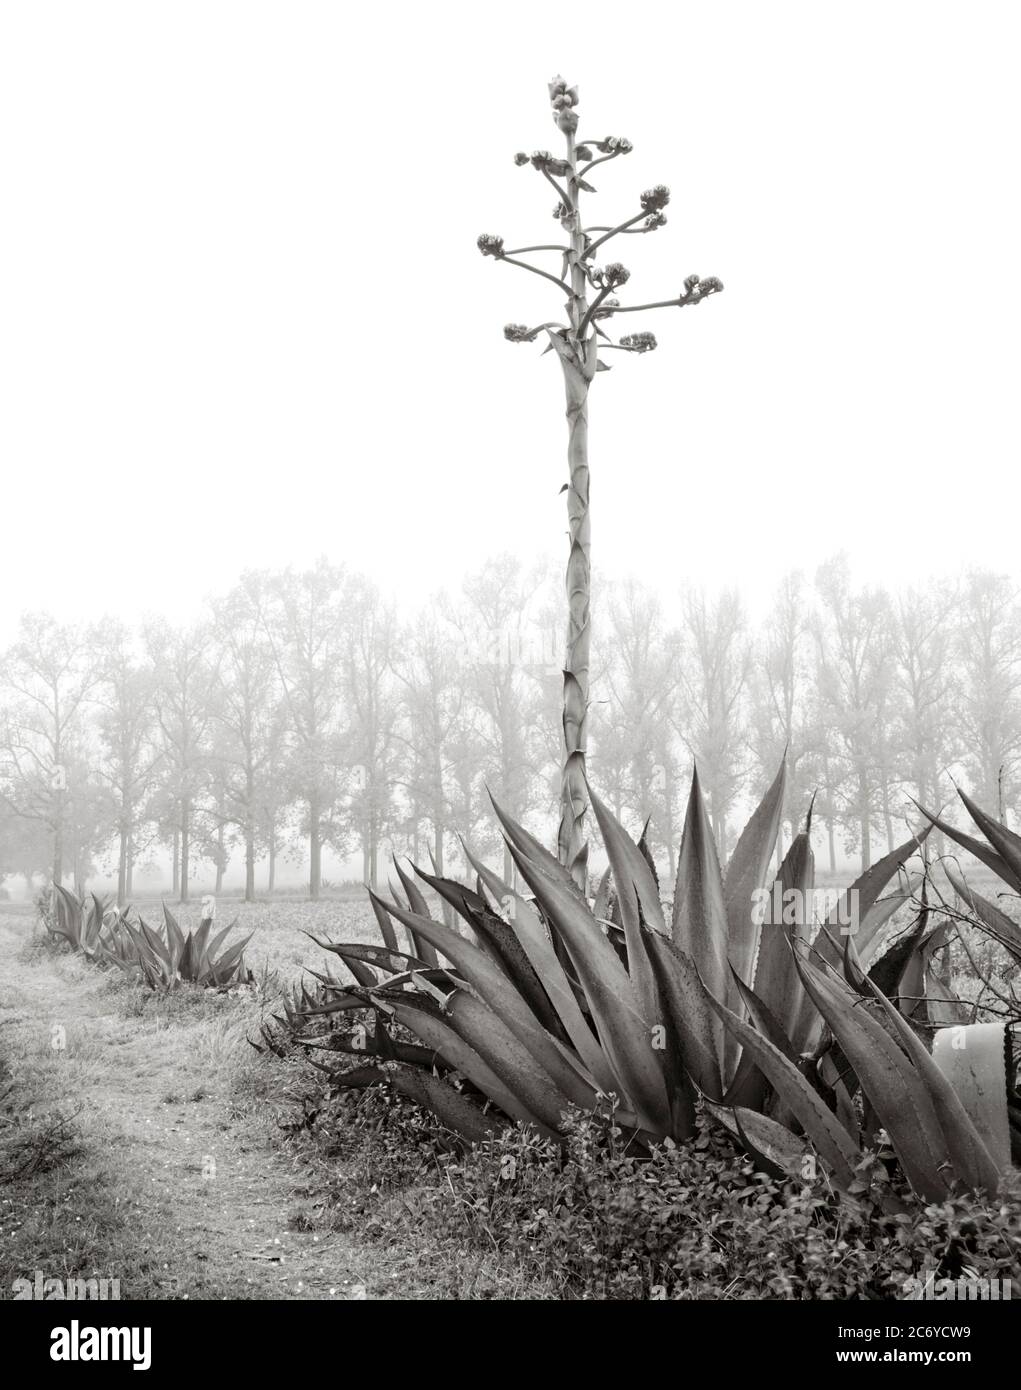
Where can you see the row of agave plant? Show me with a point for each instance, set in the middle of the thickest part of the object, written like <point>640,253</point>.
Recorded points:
<point>801,1042</point>
<point>161,959</point>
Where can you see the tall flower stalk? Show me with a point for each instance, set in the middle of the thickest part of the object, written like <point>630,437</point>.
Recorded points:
<point>591,304</point>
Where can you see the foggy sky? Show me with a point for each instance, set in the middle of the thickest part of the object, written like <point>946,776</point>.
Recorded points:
<point>244,321</point>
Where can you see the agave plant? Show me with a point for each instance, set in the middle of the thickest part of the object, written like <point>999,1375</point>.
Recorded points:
<point>169,958</point>
<point>538,1005</point>
<point>88,924</point>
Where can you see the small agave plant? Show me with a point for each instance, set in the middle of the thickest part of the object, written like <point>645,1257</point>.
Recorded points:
<point>539,1004</point>
<point>169,958</point>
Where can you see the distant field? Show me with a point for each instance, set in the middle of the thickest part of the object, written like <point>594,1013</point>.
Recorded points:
<point>279,926</point>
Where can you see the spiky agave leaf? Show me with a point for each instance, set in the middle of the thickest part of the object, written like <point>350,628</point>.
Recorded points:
<point>747,872</point>
<point>996,923</point>
<point>487,977</point>
<point>907,1105</point>
<point>699,926</point>
<point>562,993</point>
<point>625,1034</point>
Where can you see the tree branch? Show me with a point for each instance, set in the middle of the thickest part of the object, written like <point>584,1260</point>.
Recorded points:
<point>594,245</point>
<point>509,260</point>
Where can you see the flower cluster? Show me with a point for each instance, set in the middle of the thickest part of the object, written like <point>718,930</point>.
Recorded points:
<point>655,198</point>
<point>654,221</point>
<point>519,333</point>
<point>584,153</point>
<point>614,144</point>
<point>638,342</point>
<point>548,163</point>
<point>610,276</point>
<point>607,307</point>
<point>561,95</point>
<point>563,100</point>
<point>490,245</point>
<point>696,289</point>
<point>520,159</point>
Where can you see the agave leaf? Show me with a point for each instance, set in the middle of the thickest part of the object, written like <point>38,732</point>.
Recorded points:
<point>394,961</point>
<point>776,983</point>
<point>978,848</point>
<point>699,926</point>
<point>626,1036</point>
<point>1001,927</point>
<point>634,878</point>
<point>499,939</point>
<point>638,896</point>
<point>781,1153</point>
<point>544,1102</point>
<point>486,976</point>
<point>747,871</point>
<point>602,902</point>
<point>418,905</point>
<point>973,1059</point>
<point>892,1084</point>
<point>221,970</point>
<point>175,939</point>
<point>868,887</point>
<point>1002,839</point>
<point>559,989</point>
<point>426,1021</point>
<point>386,926</point>
<point>463,900</point>
<point>695,1026</point>
<point>454,1110</point>
<point>157,945</point>
<point>973,1164</point>
<point>822,1127</point>
<point>530,848</point>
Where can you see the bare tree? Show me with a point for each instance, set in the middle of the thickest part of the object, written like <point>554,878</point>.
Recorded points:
<point>372,709</point>
<point>504,661</point>
<point>248,715</point>
<point>988,640</point>
<point>127,726</point>
<point>925,734</point>
<point>303,617</point>
<point>576,344</point>
<point>184,665</point>
<point>852,636</point>
<point>47,677</point>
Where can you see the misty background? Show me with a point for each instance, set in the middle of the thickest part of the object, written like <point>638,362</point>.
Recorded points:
<point>303,731</point>
<point>245,326</point>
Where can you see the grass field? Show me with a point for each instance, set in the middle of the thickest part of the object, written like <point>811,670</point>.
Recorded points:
<point>142,1138</point>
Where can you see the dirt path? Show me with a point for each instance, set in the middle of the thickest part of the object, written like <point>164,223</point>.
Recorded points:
<point>178,1191</point>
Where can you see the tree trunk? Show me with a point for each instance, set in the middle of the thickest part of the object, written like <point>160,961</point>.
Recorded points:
<point>185,847</point>
<point>272,863</point>
<point>176,885</point>
<point>577,353</point>
<point>831,840</point>
<point>250,865</point>
<point>315,871</point>
<point>122,871</point>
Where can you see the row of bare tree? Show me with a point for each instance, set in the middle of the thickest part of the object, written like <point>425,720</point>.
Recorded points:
<point>302,713</point>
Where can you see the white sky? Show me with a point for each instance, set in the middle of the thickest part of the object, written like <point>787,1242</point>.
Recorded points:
<point>243,320</point>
